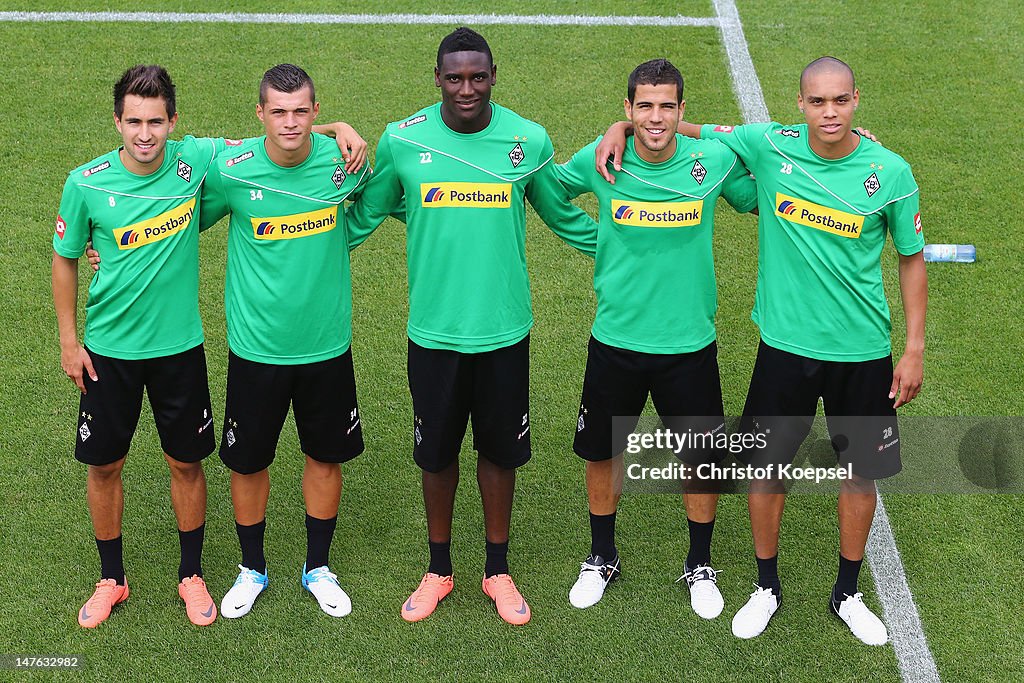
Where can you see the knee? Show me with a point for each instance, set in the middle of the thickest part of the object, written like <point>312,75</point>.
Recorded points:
<point>767,486</point>
<point>185,471</point>
<point>108,472</point>
<point>322,470</point>
<point>858,485</point>
<point>603,467</point>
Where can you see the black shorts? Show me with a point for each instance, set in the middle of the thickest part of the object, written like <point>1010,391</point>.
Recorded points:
<point>449,386</point>
<point>323,395</point>
<point>178,394</point>
<point>783,398</point>
<point>685,388</point>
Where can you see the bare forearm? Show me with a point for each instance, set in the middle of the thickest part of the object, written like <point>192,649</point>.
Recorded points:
<point>351,145</point>
<point>914,292</point>
<point>690,130</point>
<point>64,274</point>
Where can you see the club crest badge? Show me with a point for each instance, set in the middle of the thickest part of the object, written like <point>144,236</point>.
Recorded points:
<point>338,177</point>
<point>184,171</point>
<point>517,155</point>
<point>698,172</point>
<point>872,185</point>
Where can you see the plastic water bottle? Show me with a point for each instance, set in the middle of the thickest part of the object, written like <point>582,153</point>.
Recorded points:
<point>954,253</point>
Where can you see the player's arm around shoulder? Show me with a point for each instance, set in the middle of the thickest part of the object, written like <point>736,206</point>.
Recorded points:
<point>610,148</point>
<point>748,141</point>
<point>351,183</point>
<point>229,162</point>
<point>351,144</point>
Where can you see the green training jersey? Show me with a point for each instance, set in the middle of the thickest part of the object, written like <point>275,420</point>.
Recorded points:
<point>144,301</point>
<point>654,273</point>
<point>821,229</point>
<point>288,289</point>
<point>466,222</point>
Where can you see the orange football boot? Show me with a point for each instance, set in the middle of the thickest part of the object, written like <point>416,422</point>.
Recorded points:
<point>199,605</point>
<point>97,608</point>
<point>423,601</point>
<point>507,598</point>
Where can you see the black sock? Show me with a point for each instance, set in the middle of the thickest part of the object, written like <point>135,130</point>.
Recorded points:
<point>251,540</point>
<point>440,558</point>
<point>191,543</point>
<point>111,559</point>
<point>497,559</point>
<point>768,575</point>
<point>602,536</point>
<point>846,583</point>
<point>700,543</point>
<point>319,534</point>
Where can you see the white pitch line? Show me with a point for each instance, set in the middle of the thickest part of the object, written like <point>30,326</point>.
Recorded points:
<point>360,19</point>
<point>744,76</point>
<point>898,608</point>
<point>914,658</point>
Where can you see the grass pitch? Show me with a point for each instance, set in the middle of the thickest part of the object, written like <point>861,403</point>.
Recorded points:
<point>940,84</point>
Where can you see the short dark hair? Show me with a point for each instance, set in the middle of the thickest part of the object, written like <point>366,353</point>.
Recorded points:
<point>826,63</point>
<point>145,81</point>
<point>655,72</point>
<point>463,39</point>
<point>286,78</point>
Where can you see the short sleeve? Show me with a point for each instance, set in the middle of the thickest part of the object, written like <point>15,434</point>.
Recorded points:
<point>73,225</point>
<point>220,144</point>
<point>744,140</point>
<point>214,202</point>
<point>575,174</point>
<point>382,195</point>
<point>739,189</point>
<point>551,201</point>
<point>903,215</point>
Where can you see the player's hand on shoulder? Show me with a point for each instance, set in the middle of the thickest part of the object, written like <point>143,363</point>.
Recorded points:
<point>353,147</point>
<point>865,133</point>
<point>611,147</point>
<point>76,362</point>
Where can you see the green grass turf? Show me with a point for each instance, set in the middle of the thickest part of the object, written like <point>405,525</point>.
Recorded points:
<point>939,84</point>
